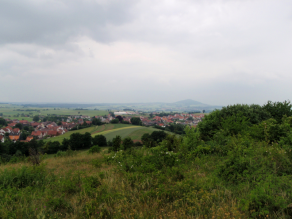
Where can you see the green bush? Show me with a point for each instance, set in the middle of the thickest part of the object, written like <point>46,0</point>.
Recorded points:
<point>94,149</point>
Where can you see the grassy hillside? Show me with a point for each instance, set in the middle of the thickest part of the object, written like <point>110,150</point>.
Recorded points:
<point>236,164</point>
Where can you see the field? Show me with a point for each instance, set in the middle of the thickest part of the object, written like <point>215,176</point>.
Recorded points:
<point>109,131</point>
<point>11,110</point>
<point>135,132</point>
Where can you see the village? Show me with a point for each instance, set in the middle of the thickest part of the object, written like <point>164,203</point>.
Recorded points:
<point>16,129</point>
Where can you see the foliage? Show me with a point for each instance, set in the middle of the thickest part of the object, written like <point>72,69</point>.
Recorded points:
<point>99,140</point>
<point>120,118</point>
<point>117,143</point>
<point>237,164</point>
<point>114,121</point>
<point>96,121</point>
<point>94,149</point>
<point>278,109</point>
<point>127,143</point>
<point>136,121</point>
<point>19,125</point>
<point>3,122</point>
<point>36,118</point>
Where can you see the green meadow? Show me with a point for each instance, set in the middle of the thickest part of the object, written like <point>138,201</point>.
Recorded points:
<point>109,131</point>
<point>11,110</point>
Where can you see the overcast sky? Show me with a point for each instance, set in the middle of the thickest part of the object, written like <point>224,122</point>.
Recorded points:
<point>101,51</point>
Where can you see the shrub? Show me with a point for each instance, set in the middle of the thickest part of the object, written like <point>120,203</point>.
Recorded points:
<point>127,143</point>
<point>94,149</point>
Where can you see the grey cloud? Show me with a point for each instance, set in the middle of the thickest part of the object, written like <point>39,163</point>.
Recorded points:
<point>55,22</point>
<point>213,51</point>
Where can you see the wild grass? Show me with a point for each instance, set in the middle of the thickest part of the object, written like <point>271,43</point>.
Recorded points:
<point>88,186</point>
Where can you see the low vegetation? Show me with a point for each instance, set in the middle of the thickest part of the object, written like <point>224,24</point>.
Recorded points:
<point>236,164</point>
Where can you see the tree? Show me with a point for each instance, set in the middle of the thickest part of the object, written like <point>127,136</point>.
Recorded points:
<point>120,118</point>
<point>190,118</point>
<point>65,144</point>
<point>19,125</point>
<point>145,138</point>
<point>204,111</point>
<point>96,121</point>
<point>158,136</point>
<point>278,109</point>
<point>3,122</point>
<point>148,141</point>
<point>76,141</point>
<point>114,121</point>
<point>59,123</point>
<point>52,147</point>
<point>136,121</point>
<point>117,143</point>
<point>127,143</point>
<point>99,140</point>
<point>87,140</point>
<point>36,118</point>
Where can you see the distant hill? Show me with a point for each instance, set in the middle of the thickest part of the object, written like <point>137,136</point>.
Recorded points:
<point>190,102</point>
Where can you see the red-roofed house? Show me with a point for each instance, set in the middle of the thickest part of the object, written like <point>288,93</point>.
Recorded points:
<point>52,133</point>
<point>38,134</point>
<point>23,121</point>
<point>35,124</point>
<point>16,131</point>
<point>88,122</point>
<point>80,121</point>
<point>13,137</point>
<point>29,138</point>
<point>6,130</point>
<point>11,124</point>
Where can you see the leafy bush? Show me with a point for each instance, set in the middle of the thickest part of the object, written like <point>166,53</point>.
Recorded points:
<point>94,149</point>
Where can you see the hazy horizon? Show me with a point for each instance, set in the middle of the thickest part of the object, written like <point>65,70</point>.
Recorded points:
<point>217,52</point>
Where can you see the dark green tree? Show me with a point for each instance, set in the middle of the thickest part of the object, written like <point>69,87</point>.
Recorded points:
<point>114,121</point>
<point>65,144</point>
<point>3,122</point>
<point>120,118</point>
<point>76,141</point>
<point>158,136</point>
<point>127,143</point>
<point>136,121</point>
<point>19,125</point>
<point>96,121</point>
<point>117,143</point>
<point>278,109</point>
<point>87,139</point>
<point>99,140</point>
<point>36,118</point>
